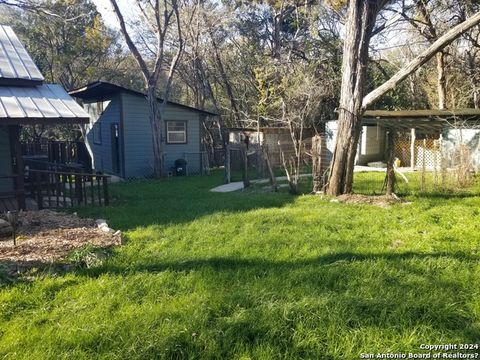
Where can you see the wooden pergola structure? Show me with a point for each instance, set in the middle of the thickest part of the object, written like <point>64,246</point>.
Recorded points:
<point>427,121</point>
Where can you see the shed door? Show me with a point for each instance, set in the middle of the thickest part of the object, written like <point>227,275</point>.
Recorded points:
<point>115,141</point>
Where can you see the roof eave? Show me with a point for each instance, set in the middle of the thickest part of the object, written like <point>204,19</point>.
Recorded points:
<point>421,114</point>
<point>82,91</point>
<point>4,81</point>
<point>43,121</point>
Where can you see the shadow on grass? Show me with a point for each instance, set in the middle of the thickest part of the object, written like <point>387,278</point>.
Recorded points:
<point>380,290</point>
<point>225,263</point>
<point>176,201</point>
<point>299,308</point>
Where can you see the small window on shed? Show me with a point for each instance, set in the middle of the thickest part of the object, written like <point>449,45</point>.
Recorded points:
<point>176,132</point>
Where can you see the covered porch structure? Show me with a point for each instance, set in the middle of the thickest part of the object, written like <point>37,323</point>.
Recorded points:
<point>47,105</point>
<point>26,100</point>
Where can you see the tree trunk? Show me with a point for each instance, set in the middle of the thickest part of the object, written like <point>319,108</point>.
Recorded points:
<point>358,29</point>
<point>226,81</point>
<point>476,98</point>
<point>271,174</point>
<point>83,130</point>
<point>157,133</point>
<point>390,163</point>
<point>472,72</point>
<point>151,77</point>
<point>360,20</point>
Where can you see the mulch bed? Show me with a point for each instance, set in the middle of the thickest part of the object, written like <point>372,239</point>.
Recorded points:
<point>47,236</point>
<point>378,200</point>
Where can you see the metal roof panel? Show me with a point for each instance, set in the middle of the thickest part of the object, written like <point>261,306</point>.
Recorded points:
<point>47,103</point>
<point>15,62</point>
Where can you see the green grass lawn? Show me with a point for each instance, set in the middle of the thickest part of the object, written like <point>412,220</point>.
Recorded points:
<point>256,276</point>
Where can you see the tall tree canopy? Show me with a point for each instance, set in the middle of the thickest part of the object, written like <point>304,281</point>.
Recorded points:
<point>69,52</point>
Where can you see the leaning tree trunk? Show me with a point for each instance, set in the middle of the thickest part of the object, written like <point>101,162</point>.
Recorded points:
<point>83,131</point>
<point>360,20</point>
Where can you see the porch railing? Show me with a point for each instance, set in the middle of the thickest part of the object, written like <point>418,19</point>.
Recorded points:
<point>60,189</point>
<point>58,152</point>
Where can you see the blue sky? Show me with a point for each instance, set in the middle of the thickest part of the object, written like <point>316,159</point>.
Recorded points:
<point>105,9</point>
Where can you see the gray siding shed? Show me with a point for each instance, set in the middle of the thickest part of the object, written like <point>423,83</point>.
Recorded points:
<point>138,138</point>
<point>130,111</point>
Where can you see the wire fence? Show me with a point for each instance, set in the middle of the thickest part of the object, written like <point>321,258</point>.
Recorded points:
<point>426,164</point>
<point>415,182</point>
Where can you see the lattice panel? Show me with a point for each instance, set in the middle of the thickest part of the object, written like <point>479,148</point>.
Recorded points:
<point>427,152</point>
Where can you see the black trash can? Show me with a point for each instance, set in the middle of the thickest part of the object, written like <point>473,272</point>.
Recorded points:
<point>180,167</point>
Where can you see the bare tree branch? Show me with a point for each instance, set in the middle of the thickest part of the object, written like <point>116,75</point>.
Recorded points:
<point>421,59</point>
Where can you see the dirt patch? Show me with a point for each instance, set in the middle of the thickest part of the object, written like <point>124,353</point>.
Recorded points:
<point>47,236</point>
<point>378,200</point>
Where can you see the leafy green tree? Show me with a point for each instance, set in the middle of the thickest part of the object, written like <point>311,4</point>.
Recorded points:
<point>69,43</point>
<point>67,52</point>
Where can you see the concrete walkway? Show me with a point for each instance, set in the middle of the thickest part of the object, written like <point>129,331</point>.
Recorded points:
<point>233,186</point>
<point>238,185</point>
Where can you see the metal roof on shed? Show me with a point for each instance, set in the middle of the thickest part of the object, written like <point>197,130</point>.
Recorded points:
<point>421,113</point>
<point>16,66</point>
<point>46,104</point>
<point>433,119</point>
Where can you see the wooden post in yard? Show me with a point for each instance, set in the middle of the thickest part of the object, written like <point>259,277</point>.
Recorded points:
<point>422,179</point>
<point>38,189</point>
<point>273,179</point>
<point>390,162</point>
<point>106,198</point>
<point>412,149</point>
<point>246,181</point>
<point>318,163</point>
<point>227,176</point>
